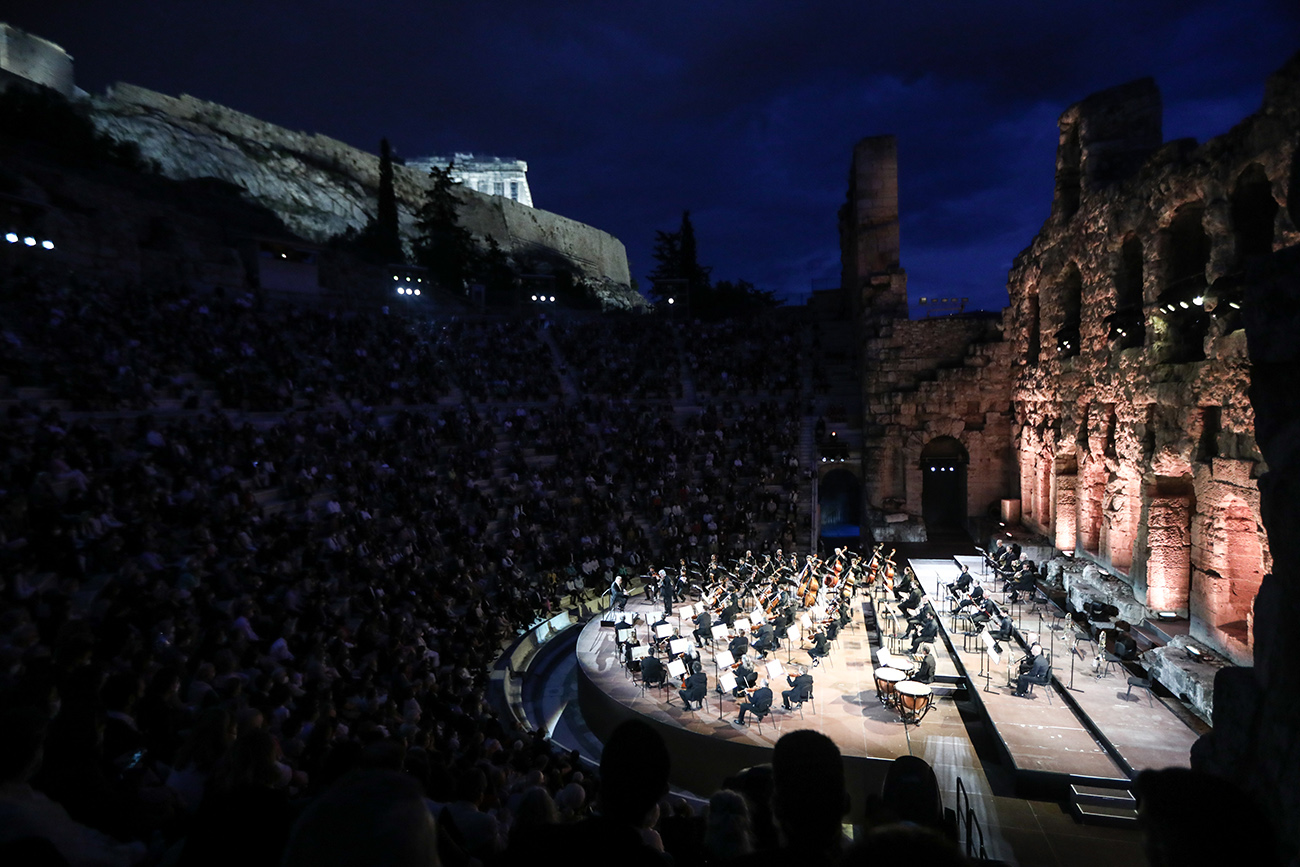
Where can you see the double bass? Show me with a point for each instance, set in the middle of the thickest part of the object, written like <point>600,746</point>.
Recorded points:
<point>808,588</point>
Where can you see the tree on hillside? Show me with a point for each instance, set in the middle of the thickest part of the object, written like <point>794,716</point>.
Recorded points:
<point>442,244</point>
<point>679,275</point>
<point>380,239</point>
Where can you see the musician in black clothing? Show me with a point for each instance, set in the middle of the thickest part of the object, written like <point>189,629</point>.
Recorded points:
<point>800,688</point>
<point>1033,669</point>
<point>927,631</point>
<point>961,586</point>
<point>731,611</point>
<point>739,645</point>
<point>905,584</point>
<point>652,671</point>
<point>925,674</point>
<point>696,687</point>
<point>703,628</point>
<point>912,603</point>
<point>1025,582</point>
<point>987,611</point>
<point>764,639</point>
<point>746,676</point>
<point>760,701</point>
<point>975,598</point>
<point>820,649</point>
<point>1006,631</point>
<point>617,595</point>
<point>667,591</point>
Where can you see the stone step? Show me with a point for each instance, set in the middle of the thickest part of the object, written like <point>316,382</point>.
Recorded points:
<point>1098,814</point>
<point>1102,797</point>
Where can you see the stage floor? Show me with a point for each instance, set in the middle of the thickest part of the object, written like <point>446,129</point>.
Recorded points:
<point>846,708</point>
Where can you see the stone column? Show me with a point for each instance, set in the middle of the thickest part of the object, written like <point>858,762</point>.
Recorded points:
<point>1067,511</point>
<point>1169,564</point>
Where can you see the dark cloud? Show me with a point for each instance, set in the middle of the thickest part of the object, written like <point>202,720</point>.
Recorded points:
<point>744,111</point>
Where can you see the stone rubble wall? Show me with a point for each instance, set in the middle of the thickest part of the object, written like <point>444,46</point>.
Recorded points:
<point>1131,456</point>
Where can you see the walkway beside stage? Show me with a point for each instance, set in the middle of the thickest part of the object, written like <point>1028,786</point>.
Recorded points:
<point>1081,724</point>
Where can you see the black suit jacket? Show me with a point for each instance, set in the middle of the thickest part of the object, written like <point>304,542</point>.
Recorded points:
<point>800,686</point>
<point>761,700</point>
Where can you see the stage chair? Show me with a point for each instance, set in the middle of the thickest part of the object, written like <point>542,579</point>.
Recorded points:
<point>1140,683</point>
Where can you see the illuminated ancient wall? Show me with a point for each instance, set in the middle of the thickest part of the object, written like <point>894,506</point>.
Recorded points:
<point>1136,438</point>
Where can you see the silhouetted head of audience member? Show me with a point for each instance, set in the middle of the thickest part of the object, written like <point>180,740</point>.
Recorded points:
<point>370,818</point>
<point>911,792</point>
<point>634,767</point>
<point>1190,818</point>
<point>810,799</point>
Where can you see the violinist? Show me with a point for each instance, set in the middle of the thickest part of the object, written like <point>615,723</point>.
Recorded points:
<point>703,628</point>
<point>765,639</point>
<point>800,688</point>
<point>820,649</point>
<point>730,611</point>
<point>746,675</point>
<point>759,702</point>
<point>654,630</point>
<point>912,604</point>
<point>739,645</point>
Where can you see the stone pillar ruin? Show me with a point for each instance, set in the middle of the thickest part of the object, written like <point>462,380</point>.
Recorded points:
<point>1168,570</point>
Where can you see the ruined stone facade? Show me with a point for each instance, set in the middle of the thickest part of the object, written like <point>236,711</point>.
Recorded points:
<point>1136,439</point>
<point>936,393</point>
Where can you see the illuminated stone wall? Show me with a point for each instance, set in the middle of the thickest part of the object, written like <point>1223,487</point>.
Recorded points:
<point>31,58</point>
<point>1136,438</point>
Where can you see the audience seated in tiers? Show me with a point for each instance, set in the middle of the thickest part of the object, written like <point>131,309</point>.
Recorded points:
<point>277,563</point>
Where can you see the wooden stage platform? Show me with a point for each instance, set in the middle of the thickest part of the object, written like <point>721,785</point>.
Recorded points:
<point>1094,733</point>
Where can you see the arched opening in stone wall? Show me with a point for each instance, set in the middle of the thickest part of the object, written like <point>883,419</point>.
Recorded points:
<point>1128,326</point>
<point>1066,505</point>
<point>1186,253</point>
<point>1069,175</point>
<point>1207,446</point>
<point>1033,328</point>
<point>943,484</point>
<point>839,501</point>
<point>1169,515</point>
<point>1068,296</point>
<point>1253,212</point>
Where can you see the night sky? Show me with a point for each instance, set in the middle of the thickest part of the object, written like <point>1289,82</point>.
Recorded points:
<point>743,112</point>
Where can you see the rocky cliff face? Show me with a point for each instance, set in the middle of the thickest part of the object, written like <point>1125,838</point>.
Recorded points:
<point>320,187</point>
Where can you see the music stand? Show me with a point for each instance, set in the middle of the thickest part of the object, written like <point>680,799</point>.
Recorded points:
<point>621,631</point>
<point>641,651</point>
<point>742,623</point>
<point>994,657</point>
<point>719,635</point>
<point>676,668</point>
<point>791,636</point>
<point>679,646</point>
<point>726,686</point>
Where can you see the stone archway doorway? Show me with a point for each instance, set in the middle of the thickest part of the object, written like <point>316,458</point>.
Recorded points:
<point>943,484</point>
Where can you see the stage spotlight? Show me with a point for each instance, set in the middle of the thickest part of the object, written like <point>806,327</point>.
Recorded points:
<point>11,238</point>
<point>29,241</point>
<point>49,245</point>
